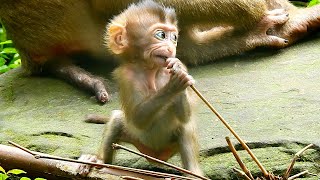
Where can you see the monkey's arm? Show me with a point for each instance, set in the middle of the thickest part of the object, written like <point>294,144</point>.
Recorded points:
<point>182,103</point>
<point>143,110</point>
<point>183,107</point>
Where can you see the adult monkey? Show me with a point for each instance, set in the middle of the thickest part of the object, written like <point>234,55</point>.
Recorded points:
<point>51,37</point>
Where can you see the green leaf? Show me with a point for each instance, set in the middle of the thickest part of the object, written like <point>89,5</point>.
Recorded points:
<point>4,56</point>
<point>25,178</point>
<point>4,69</point>
<point>16,171</point>
<point>2,170</point>
<point>3,176</point>
<point>40,179</point>
<point>16,56</point>
<point>2,35</point>
<point>313,2</point>
<point>12,66</point>
<point>6,42</point>
<point>15,61</point>
<point>2,62</point>
<point>9,50</point>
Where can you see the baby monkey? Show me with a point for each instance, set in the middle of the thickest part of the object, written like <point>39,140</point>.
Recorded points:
<point>153,84</point>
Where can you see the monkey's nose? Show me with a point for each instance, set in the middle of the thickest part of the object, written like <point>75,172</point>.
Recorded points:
<point>171,49</point>
<point>171,52</point>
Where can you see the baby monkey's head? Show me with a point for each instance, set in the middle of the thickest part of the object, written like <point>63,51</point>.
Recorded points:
<point>145,32</point>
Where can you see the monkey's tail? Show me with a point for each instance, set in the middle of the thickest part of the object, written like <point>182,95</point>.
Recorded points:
<point>96,119</point>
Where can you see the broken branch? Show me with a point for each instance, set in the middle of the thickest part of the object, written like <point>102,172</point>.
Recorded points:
<point>298,175</point>
<point>118,146</point>
<point>235,154</point>
<point>139,171</point>
<point>296,156</point>
<point>243,144</point>
<point>241,173</point>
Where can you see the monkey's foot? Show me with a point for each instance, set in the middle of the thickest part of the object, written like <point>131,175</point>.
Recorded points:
<point>100,91</point>
<point>259,36</point>
<point>79,77</point>
<point>301,22</point>
<point>84,169</point>
<point>102,96</point>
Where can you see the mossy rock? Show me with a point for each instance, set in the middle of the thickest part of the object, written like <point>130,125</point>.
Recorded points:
<point>270,98</point>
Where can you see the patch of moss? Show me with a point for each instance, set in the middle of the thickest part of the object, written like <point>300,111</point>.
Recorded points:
<point>274,159</point>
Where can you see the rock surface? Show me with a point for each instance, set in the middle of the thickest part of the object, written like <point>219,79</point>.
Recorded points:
<point>271,99</point>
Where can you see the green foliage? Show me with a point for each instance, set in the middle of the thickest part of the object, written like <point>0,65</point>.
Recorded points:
<point>305,3</point>
<point>14,174</point>
<point>9,57</point>
<point>313,2</point>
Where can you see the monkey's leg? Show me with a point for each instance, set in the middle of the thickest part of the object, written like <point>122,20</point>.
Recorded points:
<point>254,37</point>
<point>64,69</point>
<point>188,149</point>
<point>113,133</point>
<point>230,41</point>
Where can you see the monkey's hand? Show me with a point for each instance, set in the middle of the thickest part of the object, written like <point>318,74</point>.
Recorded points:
<point>180,79</point>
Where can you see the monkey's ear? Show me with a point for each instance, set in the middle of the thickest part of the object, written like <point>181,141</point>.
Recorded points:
<point>118,40</point>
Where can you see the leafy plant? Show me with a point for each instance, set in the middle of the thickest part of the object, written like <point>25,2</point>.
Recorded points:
<point>14,174</point>
<point>9,57</point>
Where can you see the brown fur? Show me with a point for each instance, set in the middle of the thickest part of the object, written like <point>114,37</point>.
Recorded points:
<point>210,29</point>
<point>156,113</point>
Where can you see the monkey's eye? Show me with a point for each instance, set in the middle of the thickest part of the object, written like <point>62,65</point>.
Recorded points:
<point>161,35</point>
<point>174,38</point>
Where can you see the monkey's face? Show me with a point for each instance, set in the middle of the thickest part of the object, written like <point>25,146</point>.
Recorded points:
<point>149,43</point>
<point>160,44</point>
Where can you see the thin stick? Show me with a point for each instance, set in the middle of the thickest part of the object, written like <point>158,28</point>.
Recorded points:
<point>140,171</point>
<point>298,175</point>
<point>296,156</point>
<point>118,146</point>
<point>130,178</point>
<point>22,148</point>
<point>235,154</point>
<point>242,173</point>
<point>244,145</point>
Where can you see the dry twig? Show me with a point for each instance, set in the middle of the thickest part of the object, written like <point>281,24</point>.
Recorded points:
<point>296,156</point>
<point>246,173</point>
<point>298,175</point>
<point>117,146</point>
<point>243,144</point>
<point>235,154</point>
<point>139,171</point>
<point>242,174</point>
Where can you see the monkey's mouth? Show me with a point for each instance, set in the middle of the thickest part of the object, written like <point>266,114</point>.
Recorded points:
<point>163,56</point>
